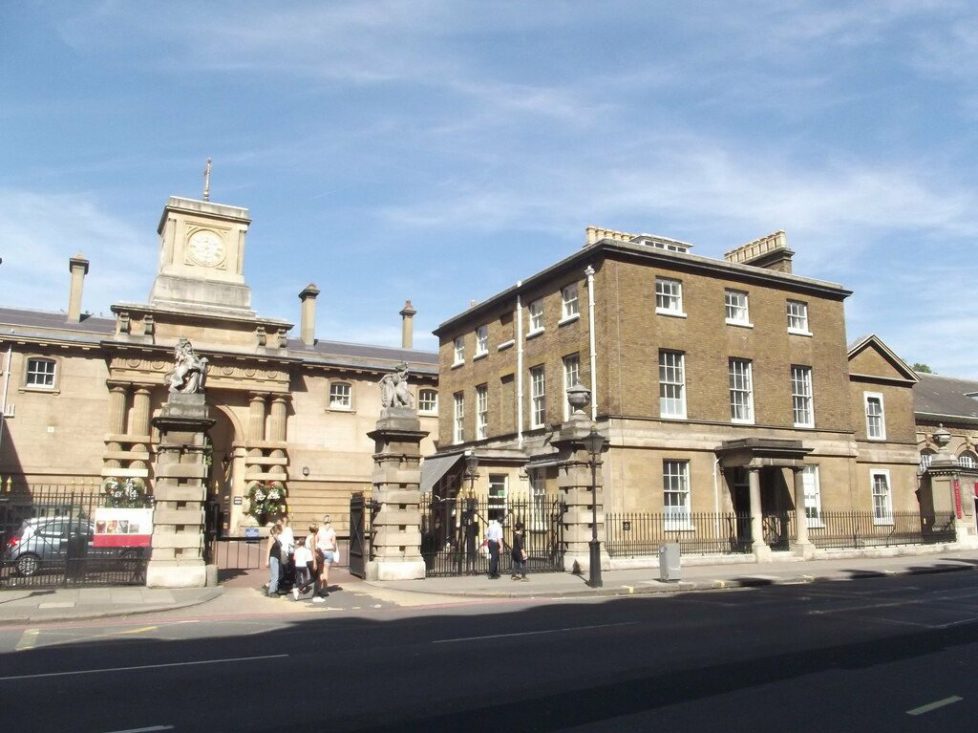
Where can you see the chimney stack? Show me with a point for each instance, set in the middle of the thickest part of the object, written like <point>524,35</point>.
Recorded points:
<point>78,267</point>
<point>307,327</point>
<point>407,325</point>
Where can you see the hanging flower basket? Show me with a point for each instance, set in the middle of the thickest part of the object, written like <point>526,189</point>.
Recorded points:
<point>266,500</point>
<point>128,493</point>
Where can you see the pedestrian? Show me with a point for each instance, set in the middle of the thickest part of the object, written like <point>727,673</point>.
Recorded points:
<point>304,569</point>
<point>494,540</point>
<point>287,539</point>
<point>273,558</point>
<point>518,552</point>
<point>325,552</point>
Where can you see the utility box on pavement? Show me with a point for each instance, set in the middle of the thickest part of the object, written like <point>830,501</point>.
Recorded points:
<point>669,562</point>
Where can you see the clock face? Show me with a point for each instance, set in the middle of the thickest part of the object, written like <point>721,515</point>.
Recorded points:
<point>206,248</point>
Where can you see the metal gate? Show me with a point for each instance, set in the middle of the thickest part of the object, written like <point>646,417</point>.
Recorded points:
<point>452,529</point>
<point>359,543</point>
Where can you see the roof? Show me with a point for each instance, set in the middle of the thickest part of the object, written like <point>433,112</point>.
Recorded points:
<point>947,398</point>
<point>54,325</point>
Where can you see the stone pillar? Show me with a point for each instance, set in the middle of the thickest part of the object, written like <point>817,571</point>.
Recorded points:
<point>256,418</point>
<point>117,422</point>
<point>574,484</point>
<point>948,493</point>
<point>407,325</point>
<point>276,427</point>
<point>139,425</point>
<point>760,549</point>
<point>307,327</point>
<point>395,529</point>
<point>177,559</point>
<point>803,545</point>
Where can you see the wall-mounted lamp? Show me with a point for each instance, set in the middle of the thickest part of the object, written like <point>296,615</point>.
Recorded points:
<point>305,471</point>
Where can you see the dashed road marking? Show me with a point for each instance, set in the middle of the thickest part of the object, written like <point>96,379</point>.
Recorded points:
<point>935,705</point>
<point>28,639</point>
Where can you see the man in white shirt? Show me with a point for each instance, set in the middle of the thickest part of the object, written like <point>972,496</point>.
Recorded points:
<point>494,540</point>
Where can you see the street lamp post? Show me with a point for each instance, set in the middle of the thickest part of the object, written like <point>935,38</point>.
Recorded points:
<point>471,466</point>
<point>594,443</point>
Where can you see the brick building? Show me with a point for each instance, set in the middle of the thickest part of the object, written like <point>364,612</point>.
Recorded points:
<point>721,386</point>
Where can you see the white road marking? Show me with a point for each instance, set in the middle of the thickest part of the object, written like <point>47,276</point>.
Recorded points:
<point>529,633</point>
<point>935,705</point>
<point>141,666</point>
<point>27,640</point>
<point>144,730</point>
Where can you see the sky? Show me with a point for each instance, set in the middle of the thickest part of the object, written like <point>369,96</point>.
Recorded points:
<point>440,151</point>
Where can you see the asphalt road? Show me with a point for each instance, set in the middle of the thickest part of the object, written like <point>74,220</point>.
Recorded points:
<point>893,654</point>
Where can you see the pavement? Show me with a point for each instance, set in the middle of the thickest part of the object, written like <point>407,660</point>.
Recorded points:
<point>29,605</point>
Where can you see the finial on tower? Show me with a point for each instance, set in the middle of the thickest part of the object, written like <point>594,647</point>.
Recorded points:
<point>207,181</point>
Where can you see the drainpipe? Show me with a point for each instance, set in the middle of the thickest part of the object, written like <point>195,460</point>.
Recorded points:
<point>590,325</point>
<point>6,386</point>
<point>519,366</point>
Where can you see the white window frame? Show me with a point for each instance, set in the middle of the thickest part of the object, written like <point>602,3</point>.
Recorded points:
<point>498,498</point>
<point>482,412</point>
<point>736,307</point>
<point>797,312</point>
<point>882,499</point>
<point>340,396</point>
<point>572,377</point>
<point>538,495</point>
<point>875,423</point>
<point>535,319</point>
<point>458,417</point>
<point>813,496</point>
<point>741,391</point>
<point>538,397</point>
<point>925,458</point>
<point>458,351</point>
<point>481,341</point>
<point>676,494</point>
<point>428,400</point>
<point>802,404</point>
<point>967,459</point>
<point>38,378</point>
<point>570,304</point>
<point>672,384</point>
<point>669,297</point>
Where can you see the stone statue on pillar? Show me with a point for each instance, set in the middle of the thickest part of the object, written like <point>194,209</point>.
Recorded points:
<point>189,371</point>
<point>394,390</point>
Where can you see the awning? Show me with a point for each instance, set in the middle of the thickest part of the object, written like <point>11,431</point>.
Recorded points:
<point>434,467</point>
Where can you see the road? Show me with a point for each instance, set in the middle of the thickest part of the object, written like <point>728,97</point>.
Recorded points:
<point>893,654</point>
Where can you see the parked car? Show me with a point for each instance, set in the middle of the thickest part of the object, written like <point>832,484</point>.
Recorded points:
<point>52,541</point>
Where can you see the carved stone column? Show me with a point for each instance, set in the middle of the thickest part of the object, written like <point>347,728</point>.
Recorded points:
<point>759,547</point>
<point>256,418</point>
<point>117,421</point>
<point>139,424</point>
<point>177,559</point>
<point>802,545</point>
<point>395,540</point>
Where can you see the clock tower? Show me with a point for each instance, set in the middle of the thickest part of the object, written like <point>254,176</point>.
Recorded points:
<point>202,258</point>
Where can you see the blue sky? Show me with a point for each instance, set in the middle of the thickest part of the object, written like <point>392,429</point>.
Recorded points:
<point>441,151</point>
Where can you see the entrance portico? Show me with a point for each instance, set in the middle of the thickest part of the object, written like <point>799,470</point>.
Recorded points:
<point>762,459</point>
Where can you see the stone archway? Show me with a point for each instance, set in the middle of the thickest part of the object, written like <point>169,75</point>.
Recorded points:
<point>223,477</point>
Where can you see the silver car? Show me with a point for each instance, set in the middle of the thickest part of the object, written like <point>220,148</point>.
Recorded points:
<point>47,541</point>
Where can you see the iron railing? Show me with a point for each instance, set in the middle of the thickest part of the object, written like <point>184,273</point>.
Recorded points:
<point>843,530</point>
<point>707,533</point>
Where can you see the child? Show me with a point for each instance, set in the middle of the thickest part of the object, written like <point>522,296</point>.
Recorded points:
<point>304,569</point>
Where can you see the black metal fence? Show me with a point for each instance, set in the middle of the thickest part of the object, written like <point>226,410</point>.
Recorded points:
<point>49,539</point>
<point>642,533</point>
<point>452,530</point>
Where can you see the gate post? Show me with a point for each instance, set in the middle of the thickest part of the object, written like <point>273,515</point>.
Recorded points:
<point>395,529</point>
<point>177,559</point>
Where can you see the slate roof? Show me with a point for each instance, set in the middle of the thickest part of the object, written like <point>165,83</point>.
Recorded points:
<point>936,397</point>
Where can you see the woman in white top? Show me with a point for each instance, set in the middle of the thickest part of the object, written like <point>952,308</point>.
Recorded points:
<point>325,552</point>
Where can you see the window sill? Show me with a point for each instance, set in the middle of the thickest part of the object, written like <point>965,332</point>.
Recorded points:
<point>678,527</point>
<point>457,364</point>
<point>804,426</point>
<point>739,324</point>
<point>506,344</point>
<point>40,390</point>
<point>673,417</point>
<point>736,421</point>
<point>569,319</point>
<point>799,332</point>
<point>534,334</point>
<point>672,314</point>
<point>480,355</point>
<point>884,522</point>
<point>816,524</point>
<point>346,410</point>
<point>878,439</point>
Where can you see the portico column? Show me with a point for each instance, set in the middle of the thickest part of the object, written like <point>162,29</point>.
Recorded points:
<point>278,414</point>
<point>139,425</point>
<point>117,422</point>
<point>758,546</point>
<point>802,544</point>
<point>256,418</point>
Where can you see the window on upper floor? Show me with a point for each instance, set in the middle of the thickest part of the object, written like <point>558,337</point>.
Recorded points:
<point>458,418</point>
<point>735,303</point>
<point>741,391</point>
<point>676,494</point>
<point>340,396</point>
<point>40,373</point>
<point>538,397</point>
<point>801,397</point>
<point>427,400</point>
<point>482,340</point>
<point>882,499</point>
<point>481,412</point>
<point>459,353</point>
<point>572,377</point>
<point>798,317</point>
<point>672,384</point>
<point>669,296</point>
<point>875,418</point>
<point>536,316</point>
<point>967,459</point>
<point>570,306</point>
<point>925,458</point>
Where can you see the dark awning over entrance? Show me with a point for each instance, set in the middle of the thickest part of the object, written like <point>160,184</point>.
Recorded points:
<point>761,452</point>
<point>435,467</point>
